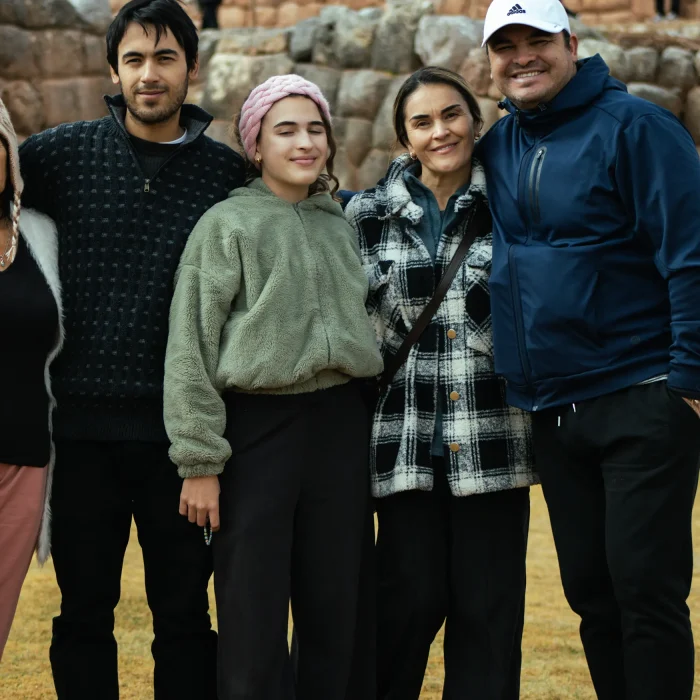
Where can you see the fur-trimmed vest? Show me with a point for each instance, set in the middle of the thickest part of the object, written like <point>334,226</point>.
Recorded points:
<point>39,233</point>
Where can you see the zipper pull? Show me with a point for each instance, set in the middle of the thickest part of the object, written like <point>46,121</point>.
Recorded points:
<point>147,186</point>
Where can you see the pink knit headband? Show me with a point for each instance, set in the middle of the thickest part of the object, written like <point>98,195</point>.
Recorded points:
<point>263,97</point>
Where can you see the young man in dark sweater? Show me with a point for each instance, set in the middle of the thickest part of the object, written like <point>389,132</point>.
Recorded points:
<point>125,192</point>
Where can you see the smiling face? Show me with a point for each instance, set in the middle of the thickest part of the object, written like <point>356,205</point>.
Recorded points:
<point>439,129</point>
<point>530,66</point>
<point>153,77</point>
<point>292,148</point>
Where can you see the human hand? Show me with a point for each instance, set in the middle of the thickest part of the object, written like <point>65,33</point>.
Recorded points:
<point>199,500</point>
<point>694,404</point>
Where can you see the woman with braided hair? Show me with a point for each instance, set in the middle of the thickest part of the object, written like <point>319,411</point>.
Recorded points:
<point>269,343</point>
<point>30,328</point>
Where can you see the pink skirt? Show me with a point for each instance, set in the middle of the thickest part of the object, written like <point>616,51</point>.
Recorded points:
<point>21,507</point>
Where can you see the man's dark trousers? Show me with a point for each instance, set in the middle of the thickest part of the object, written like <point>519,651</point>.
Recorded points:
<point>619,474</point>
<point>98,486</point>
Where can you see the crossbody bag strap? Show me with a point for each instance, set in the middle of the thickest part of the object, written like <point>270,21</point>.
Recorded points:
<point>396,361</point>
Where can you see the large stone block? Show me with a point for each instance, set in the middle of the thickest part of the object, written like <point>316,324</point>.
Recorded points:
<point>383,134</point>
<point>220,130</point>
<point>676,68</point>
<point>25,105</point>
<point>658,95</point>
<point>344,171</point>
<point>95,54</point>
<point>303,38</point>
<point>372,169</point>
<point>254,41</point>
<point>60,53</point>
<point>17,55</point>
<point>361,92</point>
<point>475,69</point>
<point>357,139</point>
<point>642,64</point>
<point>73,99</point>
<point>394,44</point>
<point>232,76</point>
<point>94,15</point>
<point>612,54</point>
<point>447,41</point>
<point>328,79</point>
<point>354,38</point>
<point>691,118</point>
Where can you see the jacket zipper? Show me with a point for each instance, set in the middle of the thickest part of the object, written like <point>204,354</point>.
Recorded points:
<point>534,183</point>
<point>518,313</point>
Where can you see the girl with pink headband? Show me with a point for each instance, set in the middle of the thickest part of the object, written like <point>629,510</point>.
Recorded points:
<point>268,349</point>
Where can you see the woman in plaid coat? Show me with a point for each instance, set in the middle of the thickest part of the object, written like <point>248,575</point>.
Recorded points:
<point>451,461</point>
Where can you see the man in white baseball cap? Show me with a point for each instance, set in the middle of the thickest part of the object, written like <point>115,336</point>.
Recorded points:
<point>595,283</point>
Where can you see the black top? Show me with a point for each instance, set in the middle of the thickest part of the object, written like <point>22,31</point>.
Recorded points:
<point>121,235</point>
<point>29,323</point>
<point>151,154</point>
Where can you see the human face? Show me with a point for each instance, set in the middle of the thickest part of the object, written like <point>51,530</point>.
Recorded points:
<point>440,130</point>
<point>292,147</point>
<point>530,66</point>
<point>153,77</point>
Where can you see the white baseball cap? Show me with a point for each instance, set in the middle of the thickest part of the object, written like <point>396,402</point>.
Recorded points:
<point>547,15</point>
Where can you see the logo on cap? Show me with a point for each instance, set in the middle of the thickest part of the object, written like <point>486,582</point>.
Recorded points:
<point>515,10</point>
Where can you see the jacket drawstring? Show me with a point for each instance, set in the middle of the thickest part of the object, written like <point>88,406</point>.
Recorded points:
<point>573,405</point>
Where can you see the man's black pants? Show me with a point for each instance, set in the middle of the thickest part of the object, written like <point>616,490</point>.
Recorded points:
<point>619,474</point>
<point>98,487</point>
<point>295,519</point>
<point>459,561</point>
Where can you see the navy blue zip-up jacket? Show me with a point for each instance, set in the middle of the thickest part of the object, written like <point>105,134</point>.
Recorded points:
<point>595,284</point>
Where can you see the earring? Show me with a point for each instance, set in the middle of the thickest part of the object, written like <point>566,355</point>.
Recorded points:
<point>477,136</point>
<point>258,159</point>
<point>413,155</point>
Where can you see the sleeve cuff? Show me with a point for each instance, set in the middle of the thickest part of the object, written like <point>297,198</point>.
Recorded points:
<point>194,470</point>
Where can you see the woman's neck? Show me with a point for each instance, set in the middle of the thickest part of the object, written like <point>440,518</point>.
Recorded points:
<point>444,185</point>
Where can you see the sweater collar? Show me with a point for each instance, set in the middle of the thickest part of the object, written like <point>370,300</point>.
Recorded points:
<point>258,189</point>
<point>193,118</point>
<point>393,196</point>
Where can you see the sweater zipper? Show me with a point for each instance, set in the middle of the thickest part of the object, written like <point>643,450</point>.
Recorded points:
<point>148,180</point>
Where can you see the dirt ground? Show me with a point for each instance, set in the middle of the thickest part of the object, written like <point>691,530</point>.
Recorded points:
<point>553,665</point>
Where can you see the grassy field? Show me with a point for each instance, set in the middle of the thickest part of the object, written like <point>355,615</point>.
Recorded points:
<point>553,667</point>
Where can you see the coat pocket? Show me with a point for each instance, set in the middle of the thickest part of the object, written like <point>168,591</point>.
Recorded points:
<point>556,297</point>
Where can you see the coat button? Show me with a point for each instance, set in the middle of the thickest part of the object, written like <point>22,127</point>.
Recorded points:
<point>452,334</point>
<point>454,395</point>
<point>454,447</point>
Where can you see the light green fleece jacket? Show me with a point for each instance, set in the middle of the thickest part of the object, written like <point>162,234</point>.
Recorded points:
<point>269,298</point>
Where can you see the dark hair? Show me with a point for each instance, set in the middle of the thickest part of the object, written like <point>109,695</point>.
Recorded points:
<point>432,75</point>
<point>165,16</point>
<point>323,183</point>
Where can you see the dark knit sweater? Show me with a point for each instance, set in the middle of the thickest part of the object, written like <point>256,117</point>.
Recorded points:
<point>120,239</point>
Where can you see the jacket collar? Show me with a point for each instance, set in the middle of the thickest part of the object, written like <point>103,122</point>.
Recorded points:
<point>193,118</point>
<point>591,80</point>
<point>393,198</point>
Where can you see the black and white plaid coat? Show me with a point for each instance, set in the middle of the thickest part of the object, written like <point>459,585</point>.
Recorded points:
<point>487,443</point>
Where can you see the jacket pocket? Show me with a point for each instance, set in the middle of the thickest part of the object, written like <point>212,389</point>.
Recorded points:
<point>555,299</point>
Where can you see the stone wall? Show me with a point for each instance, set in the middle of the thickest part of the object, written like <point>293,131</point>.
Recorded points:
<point>360,58</point>
<point>52,61</point>
<point>286,13</point>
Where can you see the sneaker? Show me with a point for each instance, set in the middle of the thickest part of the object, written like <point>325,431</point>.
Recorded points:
<point>671,16</point>
<point>657,18</point>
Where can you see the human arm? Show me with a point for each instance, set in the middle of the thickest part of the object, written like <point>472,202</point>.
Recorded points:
<point>658,173</point>
<point>35,155</point>
<point>207,281</point>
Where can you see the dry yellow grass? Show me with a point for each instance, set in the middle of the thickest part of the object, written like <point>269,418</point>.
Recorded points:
<point>554,667</point>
